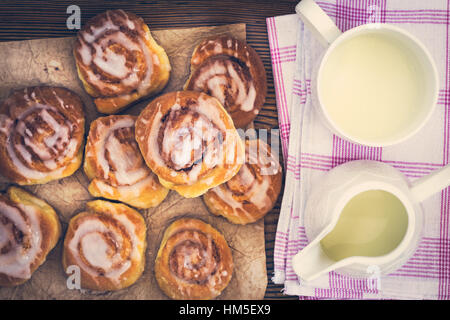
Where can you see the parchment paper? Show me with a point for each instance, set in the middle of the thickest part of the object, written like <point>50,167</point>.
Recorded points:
<point>50,61</point>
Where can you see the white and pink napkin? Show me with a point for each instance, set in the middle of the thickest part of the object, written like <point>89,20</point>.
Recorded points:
<point>310,149</point>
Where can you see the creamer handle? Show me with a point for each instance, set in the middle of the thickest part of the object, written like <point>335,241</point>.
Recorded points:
<point>433,183</point>
<point>319,23</point>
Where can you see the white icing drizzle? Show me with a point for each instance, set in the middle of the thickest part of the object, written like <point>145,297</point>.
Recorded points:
<point>180,142</point>
<point>52,151</point>
<point>5,124</point>
<point>153,151</point>
<point>120,162</point>
<point>195,252</point>
<point>96,251</point>
<point>90,237</point>
<point>95,47</point>
<point>257,187</point>
<point>17,260</point>
<point>221,77</point>
<point>246,99</point>
<point>85,53</point>
<point>112,63</point>
<point>218,48</point>
<point>103,187</point>
<point>187,142</point>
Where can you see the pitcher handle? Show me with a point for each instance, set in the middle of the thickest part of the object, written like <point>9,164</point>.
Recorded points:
<point>319,23</point>
<point>425,187</point>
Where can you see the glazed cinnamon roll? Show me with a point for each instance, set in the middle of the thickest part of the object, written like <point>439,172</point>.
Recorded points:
<point>107,242</point>
<point>231,71</point>
<point>41,135</point>
<point>29,230</point>
<point>252,193</point>
<point>118,60</point>
<point>189,141</point>
<point>115,165</point>
<point>194,261</point>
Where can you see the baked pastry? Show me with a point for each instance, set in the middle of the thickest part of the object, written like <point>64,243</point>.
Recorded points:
<point>118,60</point>
<point>189,141</point>
<point>252,193</point>
<point>41,135</point>
<point>194,261</point>
<point>29,230</point>
<point>107,242</point>
<point>114,164</point>
<point>231,71</point>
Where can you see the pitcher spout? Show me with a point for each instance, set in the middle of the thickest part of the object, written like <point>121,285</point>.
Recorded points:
<point>311,262</point>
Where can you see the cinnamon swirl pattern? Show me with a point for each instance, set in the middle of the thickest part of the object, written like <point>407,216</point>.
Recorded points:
<point>41,135</point>
<point>194,261</point>
<point>252,193</point>
<point>231,71</point>
<point>29,230</point>
<point>107,242</point>
<point>115,165</point>
<point>189,141</point>
<point>118,60</point>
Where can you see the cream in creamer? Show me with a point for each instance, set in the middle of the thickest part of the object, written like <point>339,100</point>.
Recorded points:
<point>372,87</point>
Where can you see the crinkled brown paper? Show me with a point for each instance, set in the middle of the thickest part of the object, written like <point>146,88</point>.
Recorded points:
<point>50,61</point>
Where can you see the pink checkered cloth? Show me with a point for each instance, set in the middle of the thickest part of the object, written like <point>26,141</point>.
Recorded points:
<point>310,149</point>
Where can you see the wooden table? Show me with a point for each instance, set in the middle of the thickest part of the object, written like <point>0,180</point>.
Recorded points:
<point>22,20</point>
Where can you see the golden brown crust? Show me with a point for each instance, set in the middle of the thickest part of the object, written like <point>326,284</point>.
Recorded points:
<point>189,141</point>
<point>118,61</point>
<point>252,193</point>
<point>194,261</point>
<point>31,229</point>
<point>117,259</point>
<point>41,134</point>
<point>231,71</point>
<point>114,164</point>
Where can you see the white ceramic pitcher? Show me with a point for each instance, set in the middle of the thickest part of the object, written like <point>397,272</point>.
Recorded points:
<point>336,189</point>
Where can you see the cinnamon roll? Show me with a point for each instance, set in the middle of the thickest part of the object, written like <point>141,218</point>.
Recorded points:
<point>41,135</point>
<point>252,193</point>
<point>118,60</point>
<point>231,71</point>
<point>107,242</point>
<point>189,141</point>
<point>29,230</point>
<point>115,165</point>
<point>194,261</point>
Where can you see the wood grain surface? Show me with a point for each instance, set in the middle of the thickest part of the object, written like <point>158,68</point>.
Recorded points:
<point>22,20</point>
